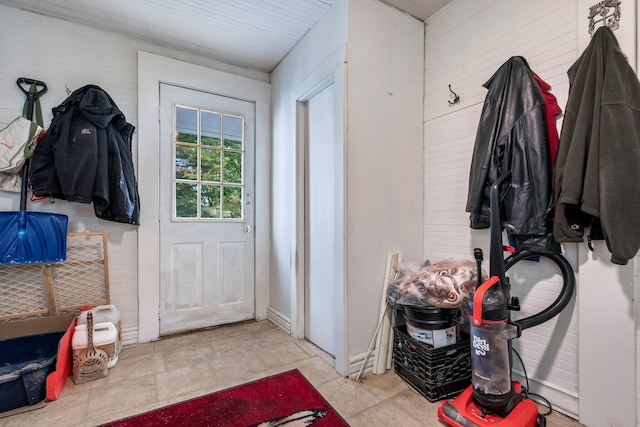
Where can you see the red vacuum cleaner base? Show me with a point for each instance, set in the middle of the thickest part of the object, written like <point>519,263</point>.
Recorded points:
<point>463,412</point>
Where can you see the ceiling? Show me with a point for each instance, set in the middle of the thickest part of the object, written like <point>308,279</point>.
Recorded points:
<point>254,34</point>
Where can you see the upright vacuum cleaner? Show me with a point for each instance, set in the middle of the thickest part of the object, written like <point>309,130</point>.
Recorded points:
<point>494,398</point>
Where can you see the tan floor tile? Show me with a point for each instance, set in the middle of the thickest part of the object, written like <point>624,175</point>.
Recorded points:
<point>121,396</point>
<point>240,367</point>
<point>193,354</point>
<point>22,420</point>
<point>230,346</point>
<point>384,386</point>
<point>315,370</point>
<point>181,367</point>
<point>281,355</point>
<point>129,412</point>
<point>56,413</point>
<point>132,351</point>
<point>71,387</point>
<point>183,380</point>
<point>178,341</point>
<point>241,329</point>
<point>412,400</point>
<point>347,396</point>
<point>384,414</point>
<point>557,419</point>
<point>135,367</point>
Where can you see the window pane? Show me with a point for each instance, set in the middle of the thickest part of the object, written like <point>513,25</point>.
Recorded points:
<point>232,202</point>
<point>233,132</point>
<point>210,164</point>
<point>208,152</point>
<point>233,167</point>
<point>210,133</point>
<point>186,125</point>
<point>186,200</point>
<point>186,162</point>
<point>210,205</point>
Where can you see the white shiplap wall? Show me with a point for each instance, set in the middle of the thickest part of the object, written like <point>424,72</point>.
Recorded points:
<point>64,54</point>
<point>465,44</point>
<point>81,56</point>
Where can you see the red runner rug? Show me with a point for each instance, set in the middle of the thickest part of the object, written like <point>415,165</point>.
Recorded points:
<point>283,400</point>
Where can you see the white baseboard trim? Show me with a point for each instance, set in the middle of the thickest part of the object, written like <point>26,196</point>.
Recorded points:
<point>130,336</point>
<point>279,319</point>
<point>355,363</point>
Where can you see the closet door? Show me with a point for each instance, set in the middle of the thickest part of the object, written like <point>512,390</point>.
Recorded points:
<point>320,212</point>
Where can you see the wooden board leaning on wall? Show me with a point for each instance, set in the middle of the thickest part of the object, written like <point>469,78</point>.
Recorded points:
<point>39,290</point>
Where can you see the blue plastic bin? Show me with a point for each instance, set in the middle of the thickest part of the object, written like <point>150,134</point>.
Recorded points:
<point>25,363</point>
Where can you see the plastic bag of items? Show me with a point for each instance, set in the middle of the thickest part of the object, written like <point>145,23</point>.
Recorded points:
<point>445,284</point>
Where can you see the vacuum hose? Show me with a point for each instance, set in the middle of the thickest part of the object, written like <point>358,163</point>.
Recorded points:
<point>568,287</point>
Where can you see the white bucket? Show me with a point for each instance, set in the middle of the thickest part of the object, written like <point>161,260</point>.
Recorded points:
<point>104,313</point>
<point>105,336</point>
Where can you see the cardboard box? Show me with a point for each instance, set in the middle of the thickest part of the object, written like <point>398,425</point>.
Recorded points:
<point>42,325</point>
<point>434,338</point>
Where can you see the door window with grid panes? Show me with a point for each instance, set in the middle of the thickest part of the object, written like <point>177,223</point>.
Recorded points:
<point>209,165</point>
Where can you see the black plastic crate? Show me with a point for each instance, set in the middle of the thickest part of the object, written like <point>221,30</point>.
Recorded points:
<point>435,373</point>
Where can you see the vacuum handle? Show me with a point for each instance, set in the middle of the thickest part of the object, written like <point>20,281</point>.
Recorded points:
<point>496,257</point>
<point>478,255</point>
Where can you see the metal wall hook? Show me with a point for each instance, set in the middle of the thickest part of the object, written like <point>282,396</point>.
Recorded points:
<point>606,12</point>
<point>454,96</point>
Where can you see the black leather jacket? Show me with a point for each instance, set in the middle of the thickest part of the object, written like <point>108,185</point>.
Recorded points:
<point>85,157</point>
<point>512,136</point>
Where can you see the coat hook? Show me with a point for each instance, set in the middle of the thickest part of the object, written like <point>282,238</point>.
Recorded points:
<point>453,96</point>
<point>606,12</point>
<point>67,90</point>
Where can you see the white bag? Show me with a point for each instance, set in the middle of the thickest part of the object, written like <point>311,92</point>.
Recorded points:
<point>11,182</point>
<point>14,139</point>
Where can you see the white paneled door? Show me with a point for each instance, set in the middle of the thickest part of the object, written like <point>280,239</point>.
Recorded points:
<point>321,180</point>
<point>206,212</point>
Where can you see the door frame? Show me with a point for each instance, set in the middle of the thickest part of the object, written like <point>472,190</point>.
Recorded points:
<point>331,71</point>
<point>153,69</point>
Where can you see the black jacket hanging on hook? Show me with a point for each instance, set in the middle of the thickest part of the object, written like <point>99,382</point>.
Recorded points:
<point>512,136</point>
<point>85,157</point>
<point>597,173</point>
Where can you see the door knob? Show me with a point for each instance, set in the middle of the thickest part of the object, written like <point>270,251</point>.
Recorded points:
<point>247,229</point>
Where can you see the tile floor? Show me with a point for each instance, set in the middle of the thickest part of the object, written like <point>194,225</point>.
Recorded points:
<point>153,375</point>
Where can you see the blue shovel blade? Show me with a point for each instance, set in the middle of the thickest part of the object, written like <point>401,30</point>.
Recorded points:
<point>32,237</point>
